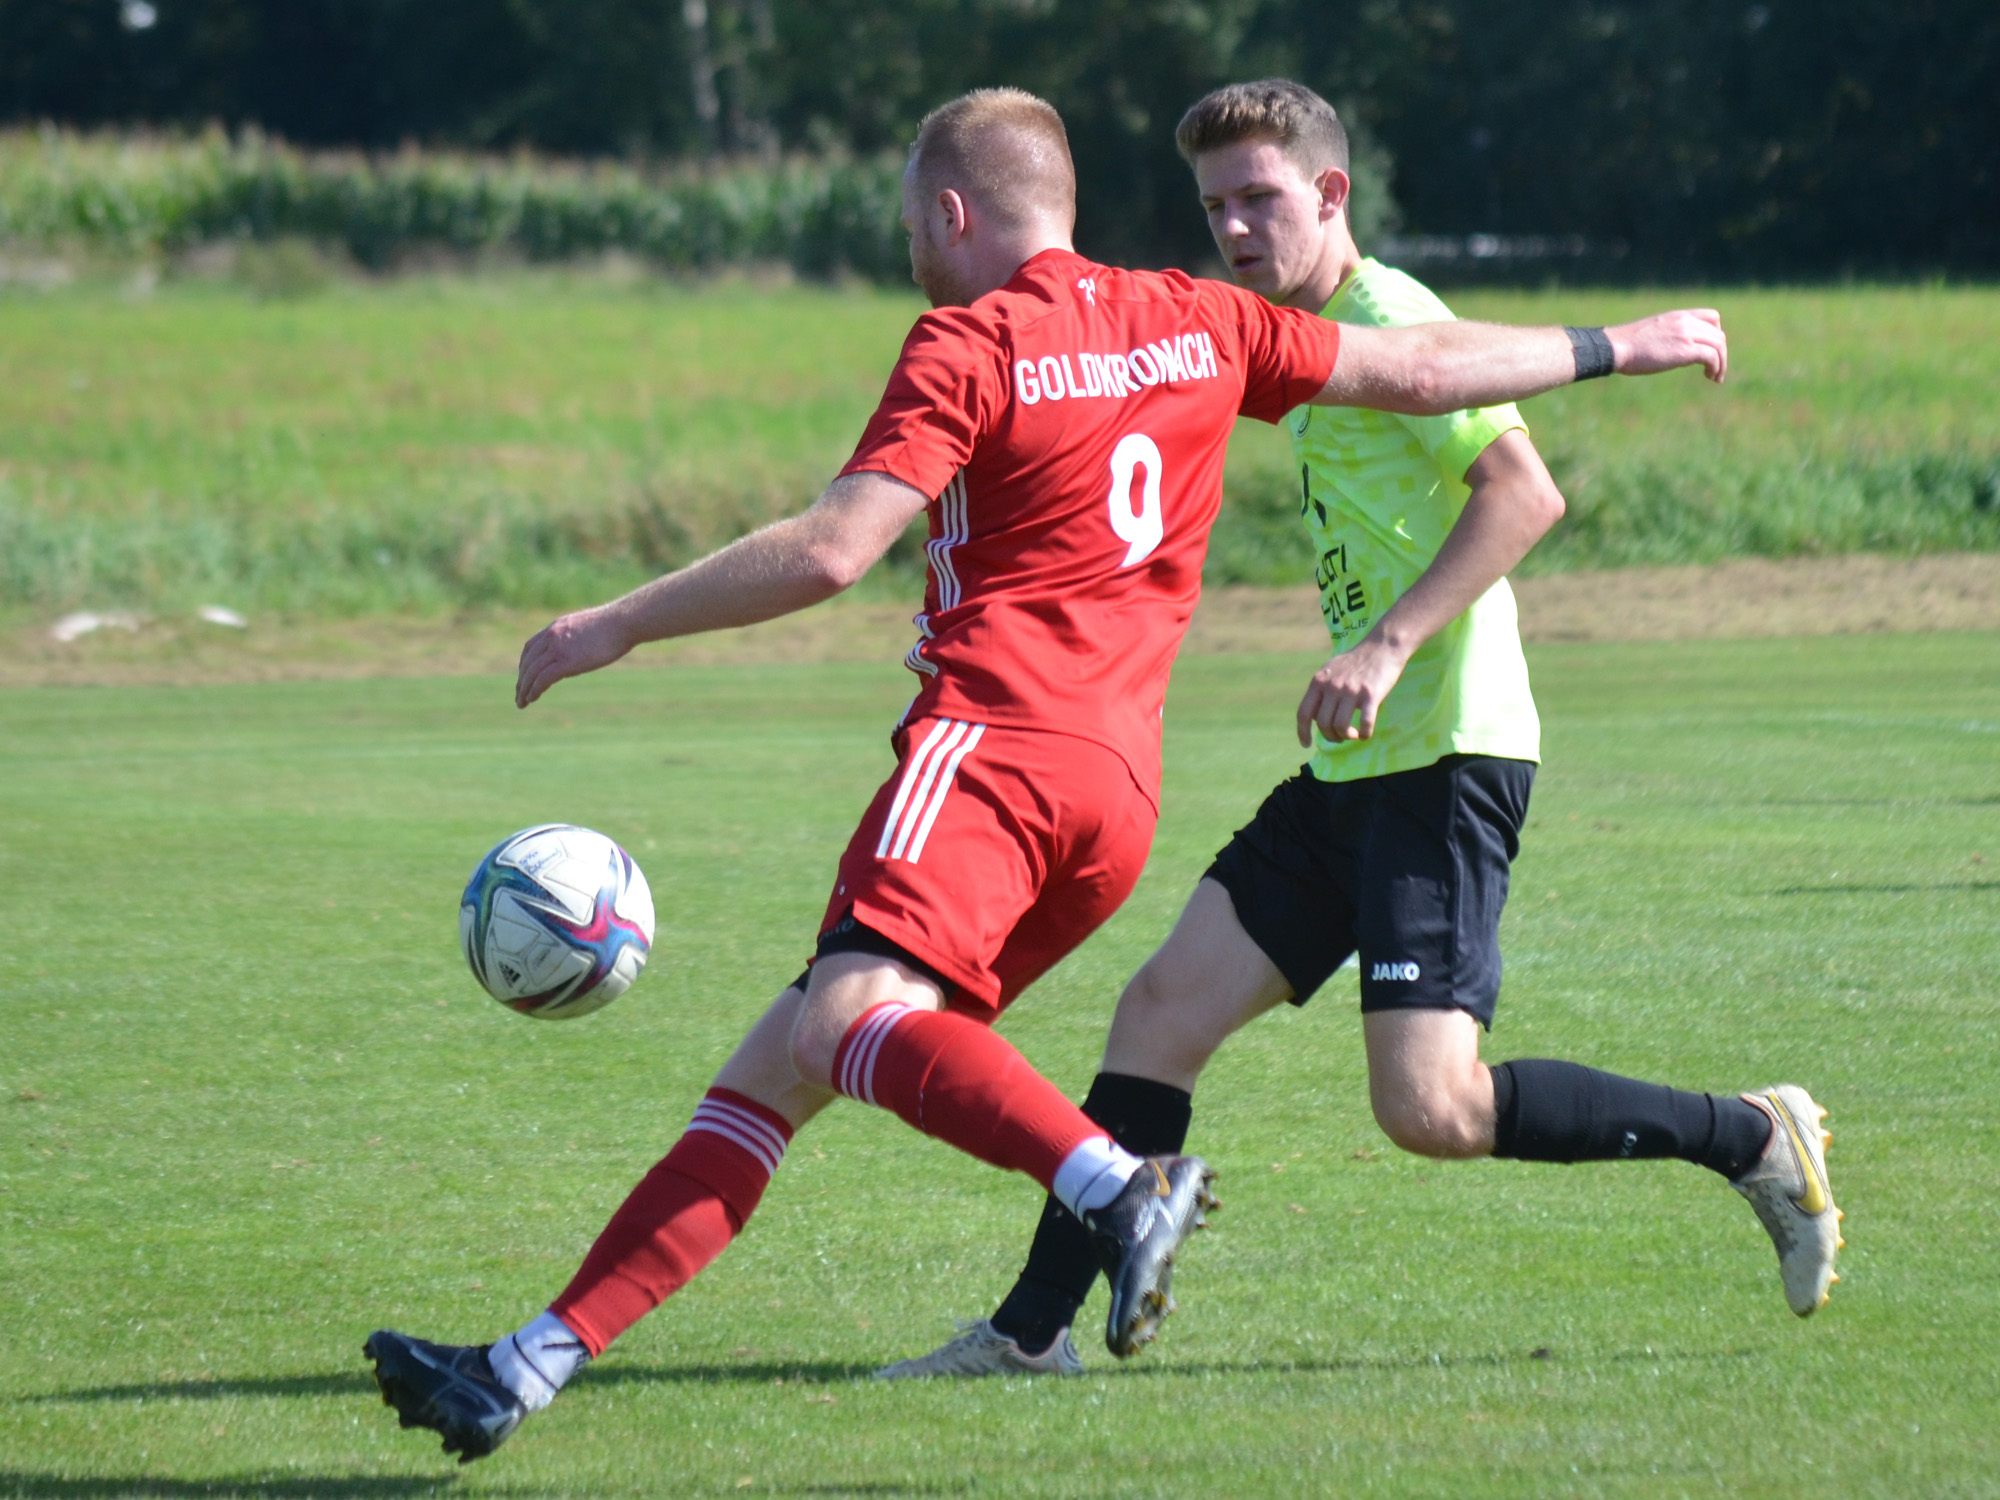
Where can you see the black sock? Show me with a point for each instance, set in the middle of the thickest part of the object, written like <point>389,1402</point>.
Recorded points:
<point>1562,1112</point>
<point>1147,1119</point>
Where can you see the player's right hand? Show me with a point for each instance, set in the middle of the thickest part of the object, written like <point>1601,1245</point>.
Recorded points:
<point>1667,341</point>
<point>1345,695</point>
<point>577,643</point>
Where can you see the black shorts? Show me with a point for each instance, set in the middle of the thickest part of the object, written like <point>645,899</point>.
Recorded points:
<point>1410,869</point>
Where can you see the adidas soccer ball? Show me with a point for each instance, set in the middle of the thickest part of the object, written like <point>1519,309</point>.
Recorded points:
<point>556,921</point>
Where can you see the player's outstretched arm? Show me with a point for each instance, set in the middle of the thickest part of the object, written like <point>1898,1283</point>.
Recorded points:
<point>1433,368</point>
<point>787,566</point>
<point>1513,503</point>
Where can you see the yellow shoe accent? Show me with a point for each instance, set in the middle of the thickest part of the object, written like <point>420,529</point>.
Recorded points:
<point>1793,1198</point>
<point>1813,1201</point>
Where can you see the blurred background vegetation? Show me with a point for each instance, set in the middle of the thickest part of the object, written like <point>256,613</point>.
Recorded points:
<point>207,392</point>
<point>1595,139</point>
<point>153,196</point>
<point>544,437</point>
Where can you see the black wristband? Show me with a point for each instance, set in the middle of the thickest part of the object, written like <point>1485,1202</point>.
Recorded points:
<point>1592,347</point>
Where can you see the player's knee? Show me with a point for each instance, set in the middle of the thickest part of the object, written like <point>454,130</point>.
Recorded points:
<point>1432,1122</point>
<point>1174,1025</point>
<point>815,1039</point>
<point>1143,996</point>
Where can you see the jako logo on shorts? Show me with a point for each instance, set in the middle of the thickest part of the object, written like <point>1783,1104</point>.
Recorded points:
<point>1405,972</point>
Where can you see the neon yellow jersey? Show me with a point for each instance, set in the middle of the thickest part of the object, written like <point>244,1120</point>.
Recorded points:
<point>1379,494</point>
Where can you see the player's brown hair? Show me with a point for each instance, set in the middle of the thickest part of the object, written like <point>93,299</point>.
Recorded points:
<point>1303,125</point>
<point>1005,150</point>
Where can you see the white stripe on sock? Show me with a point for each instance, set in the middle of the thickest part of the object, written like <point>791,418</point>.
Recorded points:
<point>857,1074</point>
<point>730,1131</point>
<point>872,1049</point>
<point>773,1138</point>
<point>849,1082</point>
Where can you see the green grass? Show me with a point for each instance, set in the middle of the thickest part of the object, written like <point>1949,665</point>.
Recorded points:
<point>418,443</point>
<point>545,438</point>
<point>251,1106</point>
<point>1854,419</point>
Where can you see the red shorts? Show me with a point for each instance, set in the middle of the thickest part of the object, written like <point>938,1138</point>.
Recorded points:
<point>993,852</point>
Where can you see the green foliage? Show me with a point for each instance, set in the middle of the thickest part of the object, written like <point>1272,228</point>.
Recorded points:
<point>137,195</point>
<point>262,1108</point>
<point>1696,139</point>
<point>283,269</point>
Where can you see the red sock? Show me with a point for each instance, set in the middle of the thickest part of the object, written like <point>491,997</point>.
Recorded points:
<point>680,1217</point>
<point>956,1081</point>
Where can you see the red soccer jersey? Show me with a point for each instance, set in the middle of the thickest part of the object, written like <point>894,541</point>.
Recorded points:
<point>1072,427</point>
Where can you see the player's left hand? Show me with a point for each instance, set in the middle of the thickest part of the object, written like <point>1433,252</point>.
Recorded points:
<point>1670,340</point>
<point>1345,694</point>
<point>575,644</point>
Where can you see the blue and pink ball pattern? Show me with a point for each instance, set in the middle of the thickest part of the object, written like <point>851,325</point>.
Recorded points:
<point>557,921</point>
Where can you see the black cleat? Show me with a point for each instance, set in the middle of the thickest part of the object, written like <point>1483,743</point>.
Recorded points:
<point>1135,1236</point>
<point>449,1388</point>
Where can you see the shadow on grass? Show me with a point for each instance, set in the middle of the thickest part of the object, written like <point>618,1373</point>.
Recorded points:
<point>814,1374</point>
<point>362,1384</point>
<point>765,1372</point>
<point>15,1485</point>
<point>1886,890</point>
<point>1535,1359</point>
<point>825,1372</point>
<point>359,1383</point>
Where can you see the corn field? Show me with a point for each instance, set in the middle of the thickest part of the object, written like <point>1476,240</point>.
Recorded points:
<point>139,195</point>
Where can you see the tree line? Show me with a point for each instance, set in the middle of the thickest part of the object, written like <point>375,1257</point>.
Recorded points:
<point>1671,138</point>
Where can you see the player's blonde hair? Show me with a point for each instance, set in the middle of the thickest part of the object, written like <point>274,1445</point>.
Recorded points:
<point>1002,149</point>
<point>1303,125</point>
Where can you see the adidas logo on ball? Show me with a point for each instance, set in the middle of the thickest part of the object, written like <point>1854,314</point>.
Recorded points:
<point>1394,971</point>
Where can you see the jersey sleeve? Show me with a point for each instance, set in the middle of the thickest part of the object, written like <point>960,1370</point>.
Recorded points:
<point>1457,438</point>
<point>937,406</point>
<point>1286,355</point>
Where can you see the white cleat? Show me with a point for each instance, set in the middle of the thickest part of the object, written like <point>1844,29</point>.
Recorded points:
<point>1792,1196</point>
<point>981,1349</point>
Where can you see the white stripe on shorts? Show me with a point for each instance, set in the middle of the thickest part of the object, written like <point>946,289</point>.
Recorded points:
<point>944,786</point>
<point>910,775</point>
<point>915,810</point>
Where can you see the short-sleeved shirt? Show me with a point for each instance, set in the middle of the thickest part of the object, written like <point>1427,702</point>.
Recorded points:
<point>1379,493</point>
<point>1072,427</point>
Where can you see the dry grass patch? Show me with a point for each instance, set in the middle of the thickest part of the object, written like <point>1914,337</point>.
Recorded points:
<point>1742,598</point>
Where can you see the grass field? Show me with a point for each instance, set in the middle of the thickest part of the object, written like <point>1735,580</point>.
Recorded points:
<point>543,438</point>
<point>254,1107</point>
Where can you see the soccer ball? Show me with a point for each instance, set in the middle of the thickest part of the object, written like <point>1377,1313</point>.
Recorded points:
<point>556,921</point>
